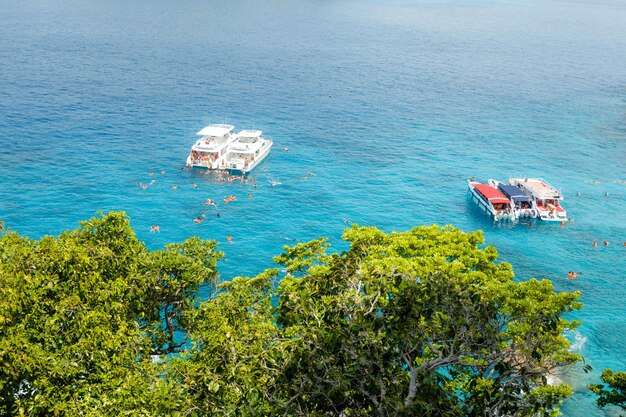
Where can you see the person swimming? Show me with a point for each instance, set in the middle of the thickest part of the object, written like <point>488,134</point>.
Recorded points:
<point>155,229</point>
<point>572,274</point>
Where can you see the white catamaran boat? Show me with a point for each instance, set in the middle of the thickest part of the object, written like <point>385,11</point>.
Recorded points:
<point>209,151</point>
<point>522,205</point>
<point>545,198</point>
<point>491,201</point>
<point>246,152</point>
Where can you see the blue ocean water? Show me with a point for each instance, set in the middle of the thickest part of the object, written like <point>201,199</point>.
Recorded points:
<point>390,105</point>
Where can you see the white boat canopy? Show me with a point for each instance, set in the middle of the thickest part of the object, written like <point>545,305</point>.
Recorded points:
<point>215,130</point>
<point>250,133</point>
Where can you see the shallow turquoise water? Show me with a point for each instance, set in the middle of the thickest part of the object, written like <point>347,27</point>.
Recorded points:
<point>391,106</point>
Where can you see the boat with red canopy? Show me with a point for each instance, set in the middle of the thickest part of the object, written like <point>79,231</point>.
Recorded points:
<point>491,201</point>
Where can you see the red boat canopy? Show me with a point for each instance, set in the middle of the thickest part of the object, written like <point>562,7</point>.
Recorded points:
<point>491,194</point>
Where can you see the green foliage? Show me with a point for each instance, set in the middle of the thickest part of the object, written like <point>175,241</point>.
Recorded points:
<point>82,315</point>
<point>423,322</point>
<point>614,392</point>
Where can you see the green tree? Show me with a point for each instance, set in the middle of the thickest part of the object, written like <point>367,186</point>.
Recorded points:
<point>87,319</point>
<point>614,392</point>
<point>422,322</point>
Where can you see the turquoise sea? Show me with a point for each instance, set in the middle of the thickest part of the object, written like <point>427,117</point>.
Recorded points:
<point>389,105</point>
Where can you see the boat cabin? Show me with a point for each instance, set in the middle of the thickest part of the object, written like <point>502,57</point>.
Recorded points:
<point>519,197</point>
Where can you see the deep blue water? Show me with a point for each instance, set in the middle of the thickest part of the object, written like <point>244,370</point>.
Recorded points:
<point>391,106</point>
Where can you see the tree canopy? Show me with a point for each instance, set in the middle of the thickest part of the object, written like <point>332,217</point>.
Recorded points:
<point>422,322</point>
<point>614,392</point>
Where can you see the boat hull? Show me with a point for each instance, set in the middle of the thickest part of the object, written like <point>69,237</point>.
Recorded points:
<point>556,216</point>
<point>203,165</point>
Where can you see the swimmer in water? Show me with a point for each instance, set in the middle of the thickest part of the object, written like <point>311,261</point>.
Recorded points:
<point>162,172</point>
<point>594,244</point>
<point>174,187</point>
<point>218,215</point>
<point>195,185</point>
<point>572,274</point>
<point>606,243</point>
<point>155,229</point>
<point>229,238</point>
<point>151,173</point>
<point>249,195</point>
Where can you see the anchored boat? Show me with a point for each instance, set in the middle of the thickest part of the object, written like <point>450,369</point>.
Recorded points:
<point>545,198</point>
<point>246,152</point>
<point>491,201</point>
<point>209,151</point>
